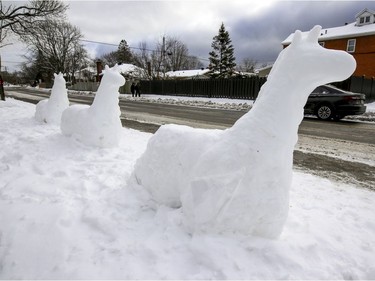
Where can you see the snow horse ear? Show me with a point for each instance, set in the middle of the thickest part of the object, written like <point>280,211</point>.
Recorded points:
<point>106,67</point>
<point>55,75</point>
<point>314,34</point>
<point>297,38</point>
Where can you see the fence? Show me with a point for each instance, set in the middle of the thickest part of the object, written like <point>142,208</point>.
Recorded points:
<point>85,86</point>
<point>363,85</point>
<point>239,88</point>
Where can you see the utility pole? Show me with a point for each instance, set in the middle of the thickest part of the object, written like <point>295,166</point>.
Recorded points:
<point>163,57</point>
<point>2,94</point>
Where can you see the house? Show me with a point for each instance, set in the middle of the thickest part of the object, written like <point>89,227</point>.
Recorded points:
<point>132,72</point>
<point>357,38</point>
<point>264,71</point>
<point>85,74</point>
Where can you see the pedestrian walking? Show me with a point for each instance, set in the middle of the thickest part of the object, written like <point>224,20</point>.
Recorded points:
<point>137,89</point>
<point>132,89</point>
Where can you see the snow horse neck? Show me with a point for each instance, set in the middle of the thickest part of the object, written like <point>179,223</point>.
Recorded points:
<point>108,91</point>
<point>59,86</point>
<point>299,69</point>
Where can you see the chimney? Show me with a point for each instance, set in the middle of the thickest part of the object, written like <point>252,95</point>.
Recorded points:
<point>99,69</point>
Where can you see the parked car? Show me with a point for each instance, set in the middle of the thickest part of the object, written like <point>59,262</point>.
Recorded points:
<point>328,102</point>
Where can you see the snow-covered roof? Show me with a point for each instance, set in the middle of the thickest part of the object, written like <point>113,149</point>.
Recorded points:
<point>87,69</point>
<point>264,68</point>
<point>364,11</point>
<point>346,31</point>
<point>186,73</point>
<point>127,68</point>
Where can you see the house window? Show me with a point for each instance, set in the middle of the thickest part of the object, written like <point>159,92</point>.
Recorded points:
<point>364,20</point>
<point>321,44</point>
<point>350,46</point>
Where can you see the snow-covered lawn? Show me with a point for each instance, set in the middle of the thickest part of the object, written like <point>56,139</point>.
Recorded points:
<point>70,211</point>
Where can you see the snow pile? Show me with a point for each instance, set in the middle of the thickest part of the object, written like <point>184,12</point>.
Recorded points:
<point>50,110</point>
<point>70,211</point>
<point>238,180</point>
<point>100,123</point>
<point>370,107</point>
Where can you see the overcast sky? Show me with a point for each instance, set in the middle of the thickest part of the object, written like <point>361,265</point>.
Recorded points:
<point>256,28</point>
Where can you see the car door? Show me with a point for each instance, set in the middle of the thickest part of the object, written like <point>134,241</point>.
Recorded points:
<point>314,98</point>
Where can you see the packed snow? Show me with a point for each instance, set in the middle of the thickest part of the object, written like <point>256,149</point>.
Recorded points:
<point>76,208</point>
<point>71,211</point>
<point>100,123</point>
<point>50,110</point>
<point>237,180</point>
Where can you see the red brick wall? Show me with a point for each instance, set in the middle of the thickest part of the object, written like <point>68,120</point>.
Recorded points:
<point>364,53</point>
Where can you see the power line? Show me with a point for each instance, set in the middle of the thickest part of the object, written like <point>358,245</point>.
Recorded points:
<point>12,61</point>
<point>111,44</point>
<point>137,48</point>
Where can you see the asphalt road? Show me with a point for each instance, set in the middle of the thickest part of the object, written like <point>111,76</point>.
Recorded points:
<point>147,117</point>
<point>151,115</point>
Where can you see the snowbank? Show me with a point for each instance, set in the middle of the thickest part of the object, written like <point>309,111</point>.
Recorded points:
<point>70,211</point>
<point>370,107</point>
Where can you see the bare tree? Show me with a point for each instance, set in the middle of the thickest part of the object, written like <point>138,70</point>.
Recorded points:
<point>169,54</point>
<point>20,19</point>
<point>78,60</point>
<point>248,65</point>
<point>109,59</point>
<point>193,62</point>
<point>148,60</point>
<point>56,43</point>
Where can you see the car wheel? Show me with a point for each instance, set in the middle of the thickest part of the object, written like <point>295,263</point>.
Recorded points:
<point>324,112</point>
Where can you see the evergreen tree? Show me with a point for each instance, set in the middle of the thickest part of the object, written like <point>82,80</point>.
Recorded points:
<point>124,55</point>
<point>222,60</point>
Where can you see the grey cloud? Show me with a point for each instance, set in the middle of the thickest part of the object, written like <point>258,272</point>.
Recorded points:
<point>260,37</point>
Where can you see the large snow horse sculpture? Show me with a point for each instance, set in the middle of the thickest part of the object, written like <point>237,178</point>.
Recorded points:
<point>238,180</point>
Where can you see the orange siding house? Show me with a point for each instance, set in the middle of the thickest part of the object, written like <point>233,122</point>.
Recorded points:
<point>357,38</point>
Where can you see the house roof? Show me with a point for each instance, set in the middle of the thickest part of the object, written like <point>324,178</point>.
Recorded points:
<point>346,31</point>
<point>269,66</point>
<point>364,11</point>
<point>126,68</point>
<point>186,73</point>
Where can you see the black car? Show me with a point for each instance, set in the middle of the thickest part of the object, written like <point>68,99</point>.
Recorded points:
<point>328,102</point>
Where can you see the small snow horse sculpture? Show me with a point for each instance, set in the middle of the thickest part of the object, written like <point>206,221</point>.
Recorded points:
<point>238,180</point>
<point>100,123</point>
<point>50,110</point>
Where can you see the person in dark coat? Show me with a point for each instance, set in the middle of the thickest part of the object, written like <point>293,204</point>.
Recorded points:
<point>137,89</point>
<point>132,89</point>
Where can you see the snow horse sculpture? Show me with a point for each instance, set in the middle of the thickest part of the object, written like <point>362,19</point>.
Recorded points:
<point>238,180</point>
<point>50,110</point>
<point>98,124</point>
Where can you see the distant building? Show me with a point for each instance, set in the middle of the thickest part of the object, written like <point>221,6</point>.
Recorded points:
<point>85,74</point>
<point>131,71</point>
<point>264,71</point>
<point>357,38</point>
